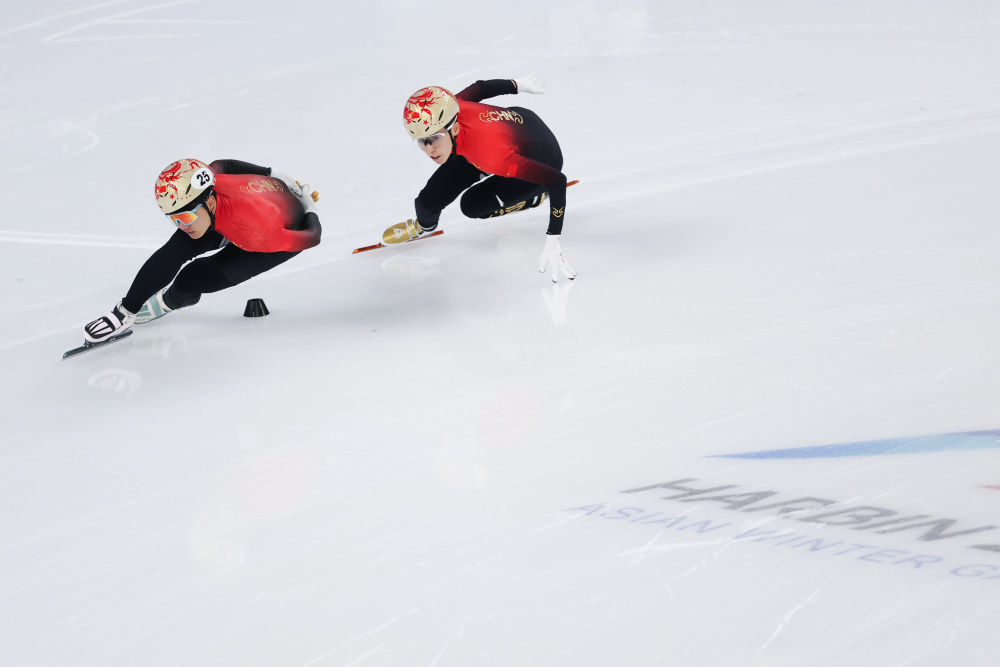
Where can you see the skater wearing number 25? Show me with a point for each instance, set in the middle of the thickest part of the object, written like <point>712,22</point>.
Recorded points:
<point>258,218</point>
<point>467,139</point>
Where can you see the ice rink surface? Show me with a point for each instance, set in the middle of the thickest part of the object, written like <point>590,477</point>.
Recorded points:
<point>758,429</point>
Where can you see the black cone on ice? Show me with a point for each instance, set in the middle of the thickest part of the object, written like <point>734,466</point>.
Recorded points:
<point>255,308</point>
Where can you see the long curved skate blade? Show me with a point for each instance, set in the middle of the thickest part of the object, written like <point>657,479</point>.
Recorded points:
<point>86,347</point>
<point>382,245</point>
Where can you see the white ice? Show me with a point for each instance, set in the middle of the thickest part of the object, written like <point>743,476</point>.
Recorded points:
<point>786,236</point>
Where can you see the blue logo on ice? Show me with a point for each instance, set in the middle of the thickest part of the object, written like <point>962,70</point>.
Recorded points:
<point>912,445</point>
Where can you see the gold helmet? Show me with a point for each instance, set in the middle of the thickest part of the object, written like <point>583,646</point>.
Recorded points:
<point>429,111</point>
<point>183,184</point>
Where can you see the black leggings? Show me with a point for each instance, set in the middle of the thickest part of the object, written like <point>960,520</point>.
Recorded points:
<point>230,266</point>
<point>496,196</point>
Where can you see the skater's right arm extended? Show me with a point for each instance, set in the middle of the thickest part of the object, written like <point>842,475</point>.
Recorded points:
<point>444,186</point>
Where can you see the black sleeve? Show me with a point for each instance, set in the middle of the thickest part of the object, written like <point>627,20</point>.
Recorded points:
<point>446,183</point>
<point>557,206</point>
<point>309,223</point>
<point>238,167</point>
<point>163,265</point>
<point>482,90</point>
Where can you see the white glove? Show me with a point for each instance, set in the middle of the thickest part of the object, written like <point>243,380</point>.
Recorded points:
<point>307,196</point>
<point>289,181</point>
<point>115,322</point>
<point>530,83</point>
<point>554,260</point>
<point>293,186</point>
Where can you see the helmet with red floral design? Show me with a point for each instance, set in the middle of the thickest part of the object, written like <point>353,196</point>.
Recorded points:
<point>183,185</point>
<point>429,111</point>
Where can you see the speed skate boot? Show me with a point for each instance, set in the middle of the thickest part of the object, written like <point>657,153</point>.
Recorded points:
<point>401,232</point>
<point>533,202</point>
<point>109,327</point>
<point>152,309</point>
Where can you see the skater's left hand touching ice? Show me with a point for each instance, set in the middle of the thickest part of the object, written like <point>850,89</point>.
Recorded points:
<point>554,260</point>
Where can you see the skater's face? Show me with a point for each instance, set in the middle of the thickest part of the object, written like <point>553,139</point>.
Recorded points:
<point>438,146</point>
<point>196,222</point>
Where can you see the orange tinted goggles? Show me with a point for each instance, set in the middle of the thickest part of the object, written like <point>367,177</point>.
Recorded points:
<point>185,218</point>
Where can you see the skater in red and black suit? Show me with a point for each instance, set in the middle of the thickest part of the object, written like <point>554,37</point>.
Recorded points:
<point>259,219</point>
<point>511,146</point>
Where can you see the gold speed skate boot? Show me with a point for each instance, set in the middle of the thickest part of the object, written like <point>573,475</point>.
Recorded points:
<point>402,232</point>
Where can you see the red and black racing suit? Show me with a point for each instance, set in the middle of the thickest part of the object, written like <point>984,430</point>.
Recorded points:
<point>512,145</point>
<point>258,224</point>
